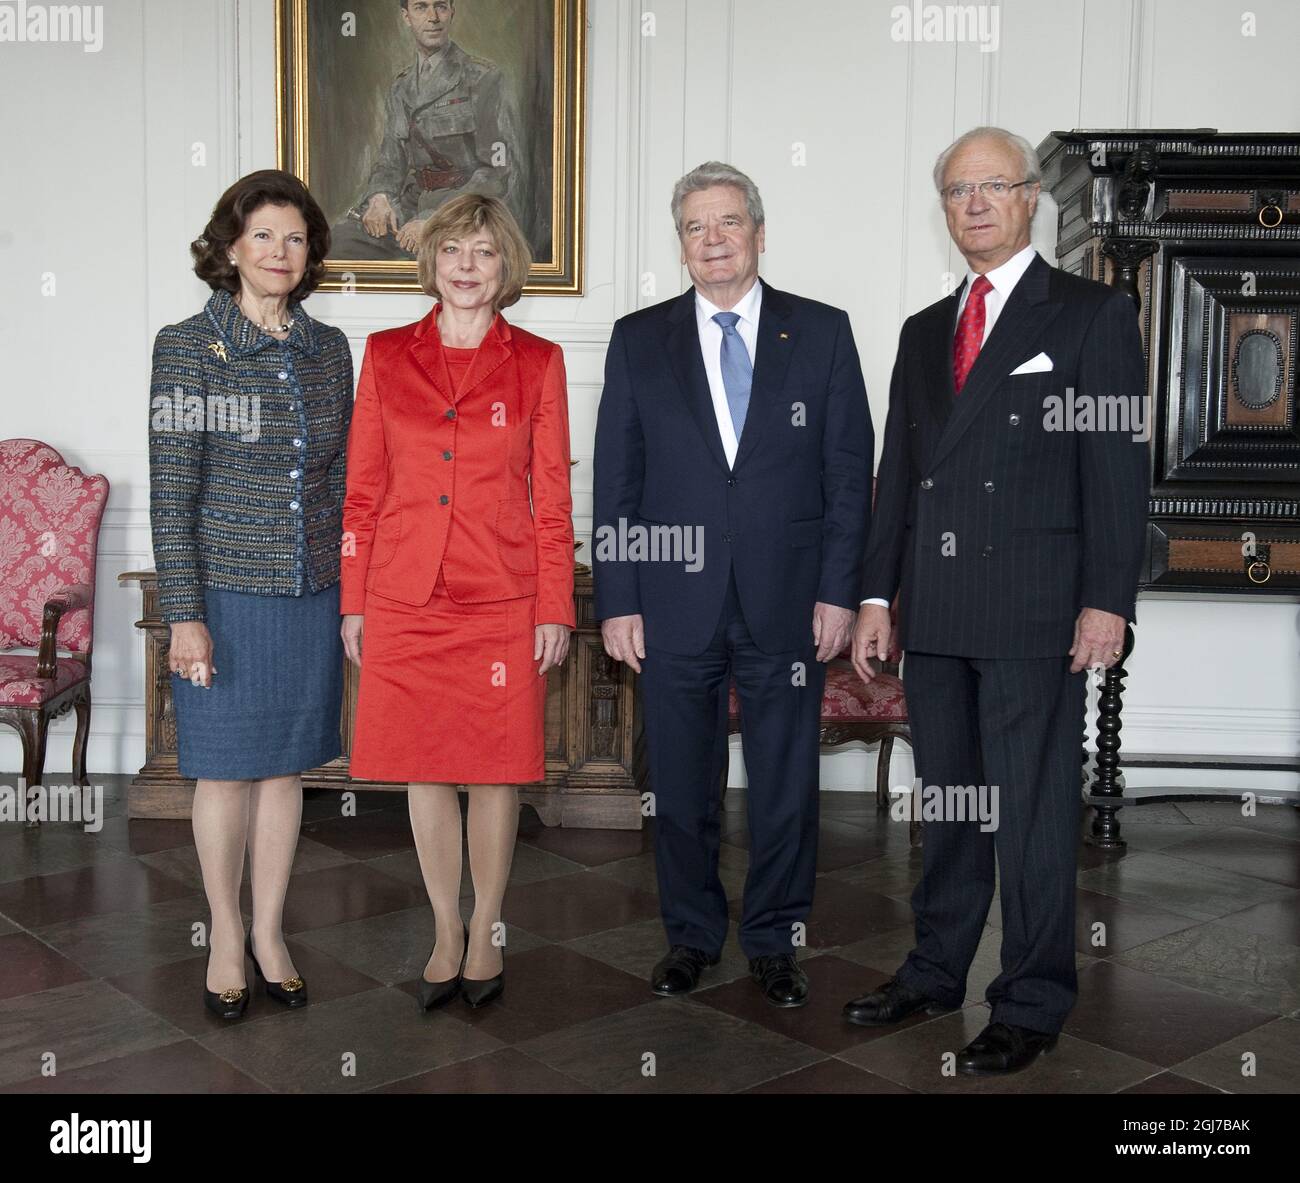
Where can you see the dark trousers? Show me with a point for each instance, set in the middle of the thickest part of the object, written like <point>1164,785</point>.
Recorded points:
<point>1016,724</point>
<point>684,702</point>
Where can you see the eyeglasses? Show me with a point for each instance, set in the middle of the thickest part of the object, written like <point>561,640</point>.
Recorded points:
<point>997,190</point>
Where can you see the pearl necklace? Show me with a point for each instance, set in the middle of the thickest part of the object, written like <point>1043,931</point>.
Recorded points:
<point>284,328</point>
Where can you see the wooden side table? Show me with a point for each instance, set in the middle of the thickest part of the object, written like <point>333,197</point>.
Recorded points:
<point>595,767</point>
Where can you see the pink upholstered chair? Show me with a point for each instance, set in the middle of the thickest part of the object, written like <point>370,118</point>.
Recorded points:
<point>49,532</point>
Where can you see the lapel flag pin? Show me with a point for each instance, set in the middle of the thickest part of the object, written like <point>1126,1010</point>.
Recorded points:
<point>785,336</point>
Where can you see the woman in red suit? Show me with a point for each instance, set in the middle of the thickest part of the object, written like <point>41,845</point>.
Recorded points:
<point>457,571</point>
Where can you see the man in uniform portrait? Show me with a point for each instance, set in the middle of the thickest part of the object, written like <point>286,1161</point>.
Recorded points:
<point>445,133</point>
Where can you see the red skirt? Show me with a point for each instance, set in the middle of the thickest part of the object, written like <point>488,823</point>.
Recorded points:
<point>449,693</point>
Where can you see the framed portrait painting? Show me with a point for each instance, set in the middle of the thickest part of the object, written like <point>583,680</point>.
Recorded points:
<point>389,108</point>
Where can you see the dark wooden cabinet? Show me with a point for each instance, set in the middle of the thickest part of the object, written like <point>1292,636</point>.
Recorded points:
<point>594,773</point>
<point>1202,229</point>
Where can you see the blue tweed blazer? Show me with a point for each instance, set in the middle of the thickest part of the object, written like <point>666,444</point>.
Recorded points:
<point>247,445</point>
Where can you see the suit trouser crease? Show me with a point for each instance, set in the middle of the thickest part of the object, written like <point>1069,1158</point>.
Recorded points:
<point>685,701</point>
<point>1016,724</point>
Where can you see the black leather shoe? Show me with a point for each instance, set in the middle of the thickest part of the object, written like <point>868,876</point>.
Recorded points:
<point>480,991</point>
<point>678,971</point>
<point>228,1004</point>
<point>434,994</point>
<point>291,992</point>
<point>779,977</point>
<point>892,1003</point>
<point>1000,1047</point>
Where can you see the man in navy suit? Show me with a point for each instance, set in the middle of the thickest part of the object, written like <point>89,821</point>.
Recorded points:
<point>734,417</point>
<point>1010,525</point>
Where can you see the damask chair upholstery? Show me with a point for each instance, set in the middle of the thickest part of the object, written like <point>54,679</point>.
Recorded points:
<point>50,515</point>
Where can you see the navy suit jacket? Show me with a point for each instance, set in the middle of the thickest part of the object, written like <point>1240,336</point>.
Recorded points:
<point>791,518</point>
<point>994,526</point>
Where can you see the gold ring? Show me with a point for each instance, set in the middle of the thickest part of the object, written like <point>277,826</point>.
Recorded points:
<point>1117,652</point>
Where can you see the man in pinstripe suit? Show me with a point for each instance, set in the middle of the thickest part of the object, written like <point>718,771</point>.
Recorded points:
<point>1013,539</point>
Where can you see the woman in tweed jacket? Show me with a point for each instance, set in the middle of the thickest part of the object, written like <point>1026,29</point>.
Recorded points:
<point>249,411</point>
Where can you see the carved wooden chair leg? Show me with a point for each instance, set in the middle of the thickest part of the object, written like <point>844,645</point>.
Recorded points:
<point>34,731</point>
<point>79,741</point>
<point>882,773</point>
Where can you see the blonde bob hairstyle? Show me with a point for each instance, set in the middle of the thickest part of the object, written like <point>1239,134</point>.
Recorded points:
<point>467,216</point>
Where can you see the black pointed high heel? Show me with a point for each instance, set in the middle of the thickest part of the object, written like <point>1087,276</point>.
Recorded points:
<point>479,992</point>
<point>228,1004</point>
<point>291,992</point>
<point>434,994</point>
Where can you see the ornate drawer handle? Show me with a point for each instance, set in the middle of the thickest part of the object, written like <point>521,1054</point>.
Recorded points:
<point>1253,572</point>
<point>1276,214</point>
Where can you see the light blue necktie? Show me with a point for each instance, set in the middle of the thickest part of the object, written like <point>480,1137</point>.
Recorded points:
<point>737,369</point>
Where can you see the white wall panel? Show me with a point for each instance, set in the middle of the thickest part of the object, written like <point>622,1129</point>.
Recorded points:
<point>102,188</point>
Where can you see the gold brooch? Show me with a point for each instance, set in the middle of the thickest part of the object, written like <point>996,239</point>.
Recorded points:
<point>219,348</point>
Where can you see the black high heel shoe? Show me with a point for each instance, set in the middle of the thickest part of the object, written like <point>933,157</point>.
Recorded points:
<point>291,992</point>
<point>479,992</point>
<point>433,994</point>
<point>229,1004</point>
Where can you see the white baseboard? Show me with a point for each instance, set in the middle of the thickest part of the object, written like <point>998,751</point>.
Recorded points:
<point>1211,730</point>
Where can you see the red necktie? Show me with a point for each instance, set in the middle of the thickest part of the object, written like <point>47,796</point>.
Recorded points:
<point>970,332</point>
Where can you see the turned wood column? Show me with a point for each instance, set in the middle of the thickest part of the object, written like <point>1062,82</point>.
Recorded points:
<point>1107,788</point>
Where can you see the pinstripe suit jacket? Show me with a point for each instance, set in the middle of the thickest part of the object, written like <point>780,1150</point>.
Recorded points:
<point>1002,512</point>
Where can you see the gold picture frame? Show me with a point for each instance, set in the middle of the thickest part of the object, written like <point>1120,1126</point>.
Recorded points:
<point>336,73</point>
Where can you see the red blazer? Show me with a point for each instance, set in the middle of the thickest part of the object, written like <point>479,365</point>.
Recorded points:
<point>435,481</point>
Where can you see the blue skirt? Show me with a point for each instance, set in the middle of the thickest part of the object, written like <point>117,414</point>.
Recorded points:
<point>274,705</point>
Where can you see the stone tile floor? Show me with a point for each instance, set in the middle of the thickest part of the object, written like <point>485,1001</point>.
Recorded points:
<point>1198,964</point>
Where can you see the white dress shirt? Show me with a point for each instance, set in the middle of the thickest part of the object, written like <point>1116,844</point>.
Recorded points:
<point>1003,278</point>
<point>747,308</point>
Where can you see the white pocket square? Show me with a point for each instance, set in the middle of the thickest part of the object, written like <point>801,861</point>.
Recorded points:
<point>1035,365</point>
